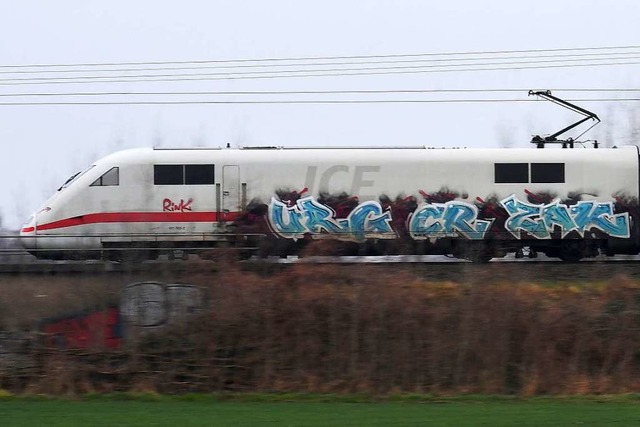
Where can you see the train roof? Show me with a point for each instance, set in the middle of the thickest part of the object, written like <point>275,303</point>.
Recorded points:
<point>367,154</point>
<point>372,147</point>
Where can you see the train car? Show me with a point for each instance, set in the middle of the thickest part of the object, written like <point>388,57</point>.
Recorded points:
<point>476,204</point>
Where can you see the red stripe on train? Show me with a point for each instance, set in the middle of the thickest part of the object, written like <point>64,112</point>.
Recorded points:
<point>115,217</point>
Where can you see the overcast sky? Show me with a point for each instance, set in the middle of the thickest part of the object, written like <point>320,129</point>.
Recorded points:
<point>43,145</point>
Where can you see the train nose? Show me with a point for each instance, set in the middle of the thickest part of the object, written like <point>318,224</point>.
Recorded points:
<point>28,234</point>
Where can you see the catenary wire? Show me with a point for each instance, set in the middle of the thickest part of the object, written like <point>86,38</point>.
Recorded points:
<point>293,72</point>
<point>337,101</point>
<point>314,92</point>
<point>253,77</point>
<point>305,58</point>
<point>583,56</point>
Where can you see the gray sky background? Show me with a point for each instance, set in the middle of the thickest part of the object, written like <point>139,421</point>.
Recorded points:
<point>43,145</point>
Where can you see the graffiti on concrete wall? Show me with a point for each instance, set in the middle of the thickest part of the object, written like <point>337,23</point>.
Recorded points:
<point>144,306</point>
<point>99,328</point>
<point>154,304</point>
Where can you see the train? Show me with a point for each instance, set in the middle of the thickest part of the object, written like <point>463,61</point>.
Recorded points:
<point>470,203</point>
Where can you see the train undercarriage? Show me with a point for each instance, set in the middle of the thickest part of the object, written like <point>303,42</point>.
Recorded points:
<point>246,246</point>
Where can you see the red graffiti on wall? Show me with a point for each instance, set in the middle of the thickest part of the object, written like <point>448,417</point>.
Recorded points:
<point>169,205</point>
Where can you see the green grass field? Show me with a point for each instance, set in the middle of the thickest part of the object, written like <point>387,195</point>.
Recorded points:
<point>176,412</point>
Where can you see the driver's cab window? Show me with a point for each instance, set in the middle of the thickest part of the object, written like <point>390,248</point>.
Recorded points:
<point>109,178</point>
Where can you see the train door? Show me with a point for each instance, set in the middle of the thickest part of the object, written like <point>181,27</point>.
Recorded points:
<point>230,191</point>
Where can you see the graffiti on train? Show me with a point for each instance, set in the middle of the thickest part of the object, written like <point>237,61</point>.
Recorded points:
<point>169,205</point>
<point>308,216</point>
<point>540,220</point>
<point>454,218</point>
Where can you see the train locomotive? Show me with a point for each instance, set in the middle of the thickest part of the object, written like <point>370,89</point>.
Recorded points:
<point>475,204</point>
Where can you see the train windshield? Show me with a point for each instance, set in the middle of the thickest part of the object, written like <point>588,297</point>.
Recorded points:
<point>74,177</point>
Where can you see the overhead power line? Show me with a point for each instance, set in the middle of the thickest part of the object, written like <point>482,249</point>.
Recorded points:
<point>288,74</point>
<point>312,92</point>
<point>294,72</point>
<point>315,101</point>
<point>560,57</point>
<point>315,58</point>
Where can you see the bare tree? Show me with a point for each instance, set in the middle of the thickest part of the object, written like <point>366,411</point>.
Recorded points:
<point>506,135</point>
<point>199,140</point>
<point>633,120</point>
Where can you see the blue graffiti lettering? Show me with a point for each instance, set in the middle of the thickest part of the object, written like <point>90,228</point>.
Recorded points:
<point>601,216</point>
<point>318,217</point>
<point>520,218</point>
<point>541,220</point>
<point>435,220</point>
<point>285,221</point>
<point>308,216</point>
<point>557,214</point>
<point>368,218</point>
<point>451,219</point>
<point>425,221</point>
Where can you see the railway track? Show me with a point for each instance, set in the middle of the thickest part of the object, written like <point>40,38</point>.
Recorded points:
<point>428,266</point>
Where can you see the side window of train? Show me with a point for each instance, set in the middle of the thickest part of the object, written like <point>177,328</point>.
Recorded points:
<point>547,173</point>
<point>168,174</point>
<point>199,174</point>
<point>109,178</point>
<point>511,173</point>
<point>183,174</point>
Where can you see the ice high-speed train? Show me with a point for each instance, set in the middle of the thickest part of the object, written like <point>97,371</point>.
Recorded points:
<point>469,203</point>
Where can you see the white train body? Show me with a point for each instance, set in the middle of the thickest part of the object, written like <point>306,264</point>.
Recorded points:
<point>509,197</point>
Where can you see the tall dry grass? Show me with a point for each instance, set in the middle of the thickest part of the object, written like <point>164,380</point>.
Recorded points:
<point>362,329</point>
